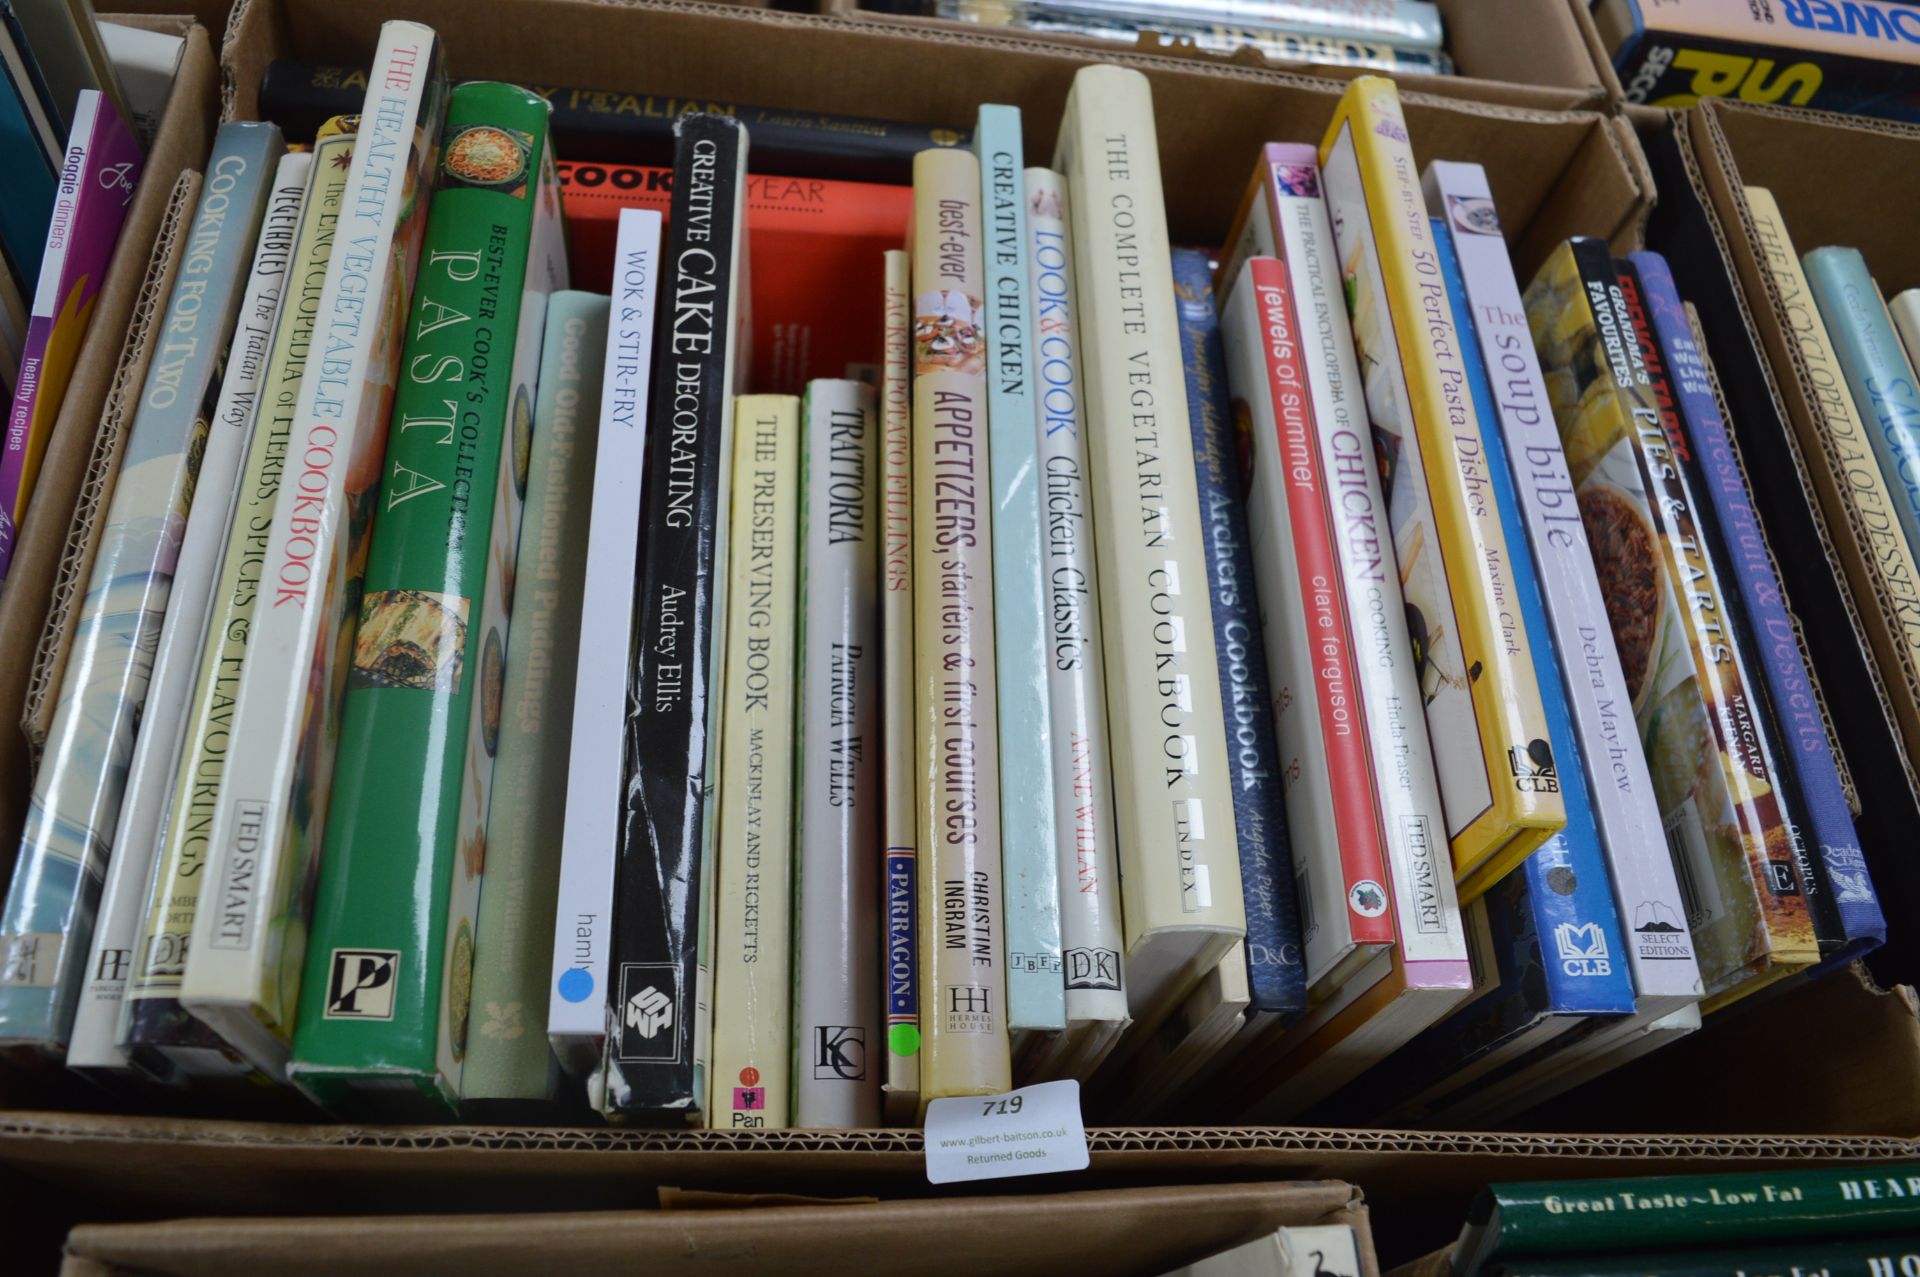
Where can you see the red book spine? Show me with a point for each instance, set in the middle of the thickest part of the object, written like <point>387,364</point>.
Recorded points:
<point>1342,717</point>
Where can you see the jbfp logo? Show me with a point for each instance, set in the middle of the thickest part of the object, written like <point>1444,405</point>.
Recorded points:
<point>1582,948</point>
<point>649,1011</point>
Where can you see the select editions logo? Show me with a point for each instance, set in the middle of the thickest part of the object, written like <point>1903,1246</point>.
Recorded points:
<point>650,1013</point>
<point>1659,933</point>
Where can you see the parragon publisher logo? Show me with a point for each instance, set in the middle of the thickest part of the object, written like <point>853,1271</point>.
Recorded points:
<point>360,984</point>
<point>649,1012</point>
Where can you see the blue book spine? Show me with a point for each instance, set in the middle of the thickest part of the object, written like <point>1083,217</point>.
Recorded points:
<point>1276,975</point>
<point>1878,374</point>
<point>27,210</point>
<point>1574,910</point>
<point>1807,755</point>
<point>1036,986</point>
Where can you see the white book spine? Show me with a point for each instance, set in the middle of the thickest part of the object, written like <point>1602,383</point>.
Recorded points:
<point>230,968</point>
<point>157,748</point>
<point>46,290</point>
<point>1411,821</point>
<point>836,897</point>
<point>590,839</point>
<point>1091,932</point>
<point>1620,789</point>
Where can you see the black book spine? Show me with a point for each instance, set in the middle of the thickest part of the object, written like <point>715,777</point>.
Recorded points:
<point>638,128</point>
<point>654,1068</point>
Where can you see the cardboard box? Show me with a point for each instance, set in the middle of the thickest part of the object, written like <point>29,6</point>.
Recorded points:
<point>1137,1231</point>
<point>1815,165</point>
<point>1533,55</point>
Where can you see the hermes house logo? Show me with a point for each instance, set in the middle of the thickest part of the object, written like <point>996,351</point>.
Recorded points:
<point>361,983</point>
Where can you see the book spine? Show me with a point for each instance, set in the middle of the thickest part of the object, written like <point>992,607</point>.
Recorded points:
<point>753,1044</point>
<point>1675,69</point>
<point>1862,1257</point>
<point>1620,788</point>
<point>654,1056</point>
<point>1276,977</point>
<point>836,911</point>
<point>1568,892</point>
<point>243,972</point>
<point>66,844</point>
<point>1904,310</point>
<point>96,183</point>
<point>507,1056</point>
<point>589,837</point>
<point>1412,822</point>
<point>901,1086</point>
<point>1885,393</point>
<point>1841,441</point>
<point>964,1047</point>
<point>1805,756</point>
<point>1877,30</point>
<point>1091,934</point>
<point>1036,992</point>
<point>161,740</point>
<point>156,1029</point>
<point>618,126</point>
<point>1451,548</point>
<point>429,645</point>
<point>1180,872</point>
<point>32,152</point>
<point>1409,22</point>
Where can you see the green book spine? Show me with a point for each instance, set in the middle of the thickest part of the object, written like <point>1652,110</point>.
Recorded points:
<point>1557,1218</point>
<point>1862,1257</point>
<point>382,1025</point>
<point>508,1058</point>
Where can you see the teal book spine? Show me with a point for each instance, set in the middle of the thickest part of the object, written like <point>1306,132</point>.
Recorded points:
<point>508,1056</point>
<point>1036,989</point>
<point>1879,376</point>
<point>1865,1257</point>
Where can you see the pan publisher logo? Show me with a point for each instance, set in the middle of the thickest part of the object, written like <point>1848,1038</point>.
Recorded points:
<point>361,984</point>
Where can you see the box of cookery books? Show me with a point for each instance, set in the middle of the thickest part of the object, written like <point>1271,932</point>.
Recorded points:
<point>1192,135</point>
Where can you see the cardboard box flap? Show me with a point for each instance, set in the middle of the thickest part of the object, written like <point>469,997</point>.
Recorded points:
<point>1211,120</point>
<point>1142,1231</point>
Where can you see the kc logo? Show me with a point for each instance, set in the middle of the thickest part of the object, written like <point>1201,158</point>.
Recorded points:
<point>360,985</point>
<point>839,1053</point>
<point>649,1011</point>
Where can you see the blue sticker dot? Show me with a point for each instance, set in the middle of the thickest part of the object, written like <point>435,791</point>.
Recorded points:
<point>576,985</point>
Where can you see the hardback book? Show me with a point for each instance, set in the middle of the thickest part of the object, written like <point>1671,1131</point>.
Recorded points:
<point>1030,872</point>
<point>247,950</point>
<point>1414,23</point>
<point>46,927</point>
<point>900,871</point>
<point>753,1042</point>
<point>813,242</point>
<point>835,907</point>
<point>1284,215</point>
<point>385,1002</point>
<point>1476,675</point>
<point>590,829</point>
<point>964,1047</point>
<point>1749,1208</point>
<point>1308,1251</point>
<point>1276,973</point>
<point>32,152</point>
<point>1850,1257</point>
<point>1207,1020</point>
<point>510,1068</point>
<point>1853,55</point>
<point>1620,789</point>
<point>1904,310</point>
<point>97,180</point>
<point>619,126</point>
<point>1181,895</point>
<point>1406,963</point>
<point>1845,907</point>
<point>46,125</point>
<point>1722,819</point>
<point>64,42</point>
<point>1886,393</point>
<point>156,1030</point>
<point>1091,934</point>
<point>658,1016</point>
<point>145,62</point>
<point>13,329</point>
<point>161,741</point>
<point>1548,936</point>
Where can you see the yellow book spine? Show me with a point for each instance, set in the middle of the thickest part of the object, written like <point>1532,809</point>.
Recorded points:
<point>1498,806</point>
<point>752,976</point>
<point>964,1048</point>
<point>1854,489</point>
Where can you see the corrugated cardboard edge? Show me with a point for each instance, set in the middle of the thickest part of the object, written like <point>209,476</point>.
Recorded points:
<point>1118,1231</point>
<point>1602,58</point>
<point>103,468</point>
<point>1716,179</point>
<point>185,133</point>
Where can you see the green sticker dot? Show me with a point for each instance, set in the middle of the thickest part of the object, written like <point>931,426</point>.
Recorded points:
<point>904,1039</point>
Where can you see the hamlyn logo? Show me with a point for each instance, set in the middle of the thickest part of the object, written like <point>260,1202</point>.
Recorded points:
<point>651,1016</point>
<point>1582,948</point>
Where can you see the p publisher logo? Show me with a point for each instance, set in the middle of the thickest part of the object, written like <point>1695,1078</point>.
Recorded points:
<point>361,984</point>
